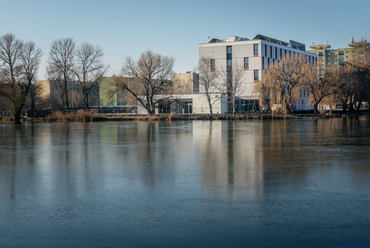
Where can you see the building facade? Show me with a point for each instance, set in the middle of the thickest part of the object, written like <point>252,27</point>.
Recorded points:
<point>253,56</point>
<point>330,58</point>
<point>187,83</point>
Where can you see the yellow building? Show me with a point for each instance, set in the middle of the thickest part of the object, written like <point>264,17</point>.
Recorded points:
<point>332,57</point>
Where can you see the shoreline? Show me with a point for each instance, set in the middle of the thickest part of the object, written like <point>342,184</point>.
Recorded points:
<point>170,117</point>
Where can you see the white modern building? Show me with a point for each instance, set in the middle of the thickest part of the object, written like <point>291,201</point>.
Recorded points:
<point>189,104</point>
<point>254,55</point>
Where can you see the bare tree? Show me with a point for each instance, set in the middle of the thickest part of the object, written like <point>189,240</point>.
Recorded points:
<point>89,69</point>
<point>208,80</point>
<point>20,62</point>
<point>361,70</point>
<point>318,87</point>
<point>281,82</point>
<point>232,82</point>
<point>60,66</point>
<point>147,78</point>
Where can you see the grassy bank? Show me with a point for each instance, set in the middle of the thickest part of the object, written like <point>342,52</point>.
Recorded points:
<point>84,116</point>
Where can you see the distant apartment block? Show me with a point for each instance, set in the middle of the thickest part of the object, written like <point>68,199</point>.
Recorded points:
<point>329,58</point>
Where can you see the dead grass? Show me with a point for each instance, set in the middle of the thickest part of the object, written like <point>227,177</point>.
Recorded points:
<point>80,115</point>
<point>5,118</point>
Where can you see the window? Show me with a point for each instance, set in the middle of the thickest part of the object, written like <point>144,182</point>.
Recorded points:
<point>335,53</point>
<point>213,65</point>
<point>281,53</point>
<point>255,50</point>
<point>353,51</point>
<point>246,63</point>
<point>276,53</point>
<point>329,58</point>
<point>341,52</point>
<point>347,57</point>
<point>255,76</point>
<point>270,51</point>
<point>329,63</point>
<point>347,51</point>
<point>335,63</point>
<point>229,56</point>
<point>354,56</point>
<point>265,50</point>
<point>263,63</point>
<point>329,53</point>
<point>321,54</point>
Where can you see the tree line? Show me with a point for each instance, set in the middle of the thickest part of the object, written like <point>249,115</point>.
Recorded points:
<point>71,68</point>
<point>285,82</point>
<point>68,65</point>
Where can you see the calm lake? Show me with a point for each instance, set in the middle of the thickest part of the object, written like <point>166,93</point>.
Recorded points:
<point>270,183</point>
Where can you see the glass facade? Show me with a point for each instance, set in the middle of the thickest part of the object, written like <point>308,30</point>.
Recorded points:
<point>184,106</point>
<point>164,107</point>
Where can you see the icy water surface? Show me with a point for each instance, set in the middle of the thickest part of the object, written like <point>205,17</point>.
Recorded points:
<point>293,183</point>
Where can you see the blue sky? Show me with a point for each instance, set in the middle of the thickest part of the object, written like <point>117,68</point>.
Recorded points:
<point>175,28</point>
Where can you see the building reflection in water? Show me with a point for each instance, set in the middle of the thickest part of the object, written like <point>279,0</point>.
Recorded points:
<point>231,157</point>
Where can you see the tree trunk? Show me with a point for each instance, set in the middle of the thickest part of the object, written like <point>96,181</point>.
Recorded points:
<point>315,108</point>
<point>209,102</point>
<point>19,104</point>
<point>66,93</point>
<point>32,95</point>
<point>360,102</point>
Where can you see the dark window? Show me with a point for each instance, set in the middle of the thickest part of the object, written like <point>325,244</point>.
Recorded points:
<point>340,52</point>
<point>281,53</point>
<point>255,75</point>
<point>229,50</point>
<point>229,55</point>
<point>213,64</point>
<point>263,63</point>
<point>276,53</point>
<point>265,50</point>
<point>270,51</point>
<point>255,49</point>
<point>246,63</point>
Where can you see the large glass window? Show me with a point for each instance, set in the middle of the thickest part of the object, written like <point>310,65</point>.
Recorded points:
<point>184,106</point>
<point>255,49</point>
<point>249,105</point>
<point>164,107</point>
<point>229,50</point>
<point>213,64</point>
<point>255,75</point>
<point>246,63</point>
